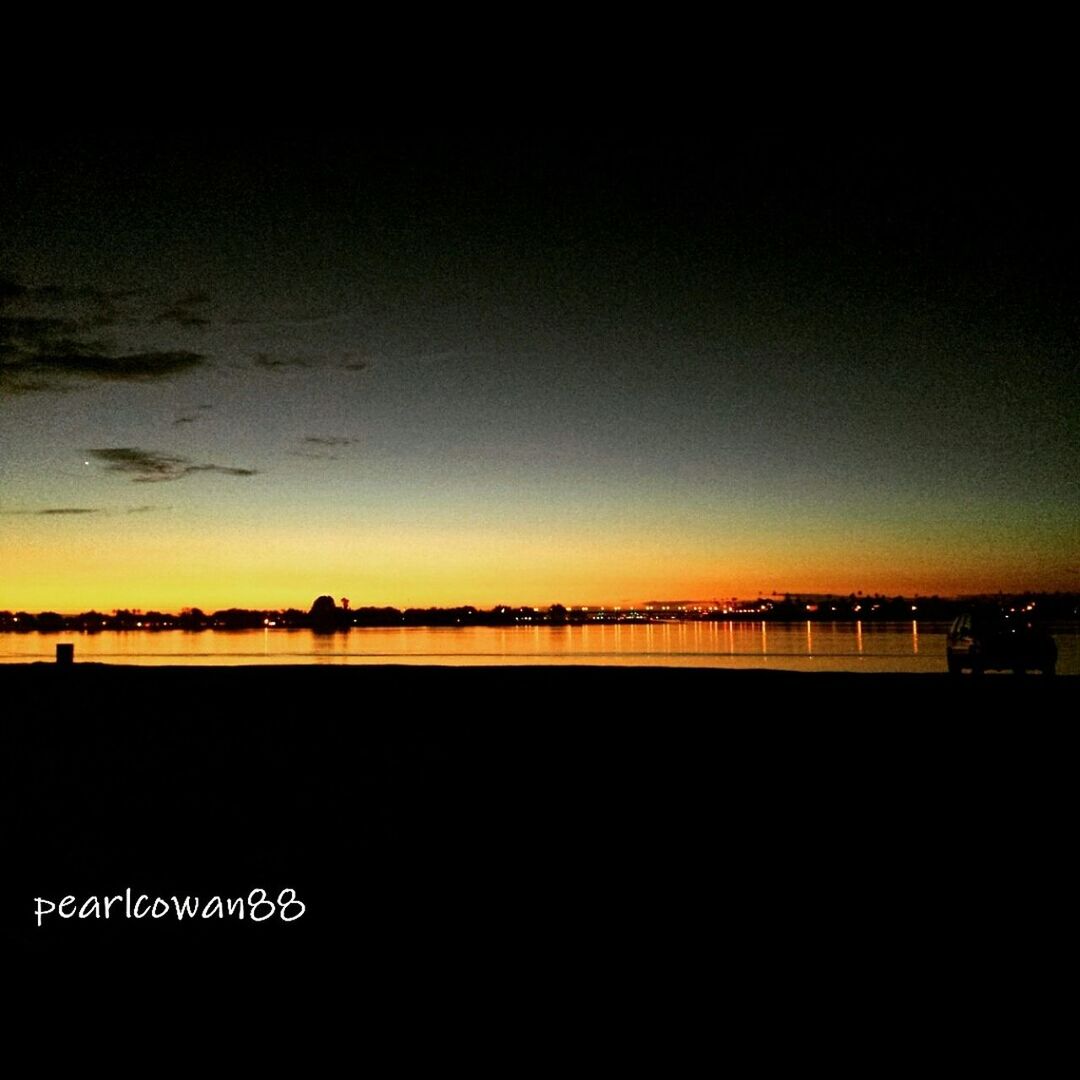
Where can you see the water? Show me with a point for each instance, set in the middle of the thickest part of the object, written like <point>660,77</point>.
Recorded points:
<point>869,647</point>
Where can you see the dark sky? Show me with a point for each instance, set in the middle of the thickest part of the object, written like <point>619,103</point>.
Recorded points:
<point>533,364</point>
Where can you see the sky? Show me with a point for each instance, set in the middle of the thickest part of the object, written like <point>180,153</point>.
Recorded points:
<point>416,365</point>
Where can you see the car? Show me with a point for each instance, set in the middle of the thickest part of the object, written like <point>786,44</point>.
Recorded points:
<point>996,640</point>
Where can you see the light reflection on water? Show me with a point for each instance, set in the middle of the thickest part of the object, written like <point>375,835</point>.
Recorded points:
<point>871,647</point>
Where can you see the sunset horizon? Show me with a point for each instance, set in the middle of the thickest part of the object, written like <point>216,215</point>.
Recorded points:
<point>583,367</point>
<point>102,577</point>
<point>717,601</point>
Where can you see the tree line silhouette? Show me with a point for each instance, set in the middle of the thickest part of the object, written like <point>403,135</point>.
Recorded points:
<point>326,615</point>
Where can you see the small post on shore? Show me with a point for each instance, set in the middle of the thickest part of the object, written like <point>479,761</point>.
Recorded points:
<point>65,655</point>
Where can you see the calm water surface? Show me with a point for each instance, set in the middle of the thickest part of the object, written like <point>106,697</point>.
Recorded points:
<point>871,647</point>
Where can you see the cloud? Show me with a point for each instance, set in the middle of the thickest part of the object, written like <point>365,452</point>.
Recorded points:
<point>28,365</point>
<point>228,470</point>
<point>149,466</point>
<point>275,363</point>
<point>57,510</point>
<point>42,350</point>
<point>182,318</point>
<point>271,362</point>
<point>143,464</point>
<point>146,509</point>
<point>132,367</point>
<point>323,443</point>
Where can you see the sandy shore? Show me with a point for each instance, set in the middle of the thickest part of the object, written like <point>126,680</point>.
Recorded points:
<point>435,817</point>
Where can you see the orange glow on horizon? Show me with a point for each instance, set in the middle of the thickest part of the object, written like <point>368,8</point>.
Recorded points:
<point>116,563</point>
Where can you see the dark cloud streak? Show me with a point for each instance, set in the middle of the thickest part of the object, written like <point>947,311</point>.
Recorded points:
<point>150,466</point>
<point>324,443</point>
<point>133,367</point>
<point>55,511</point>
<point>228,470</point>
<point>269,362</point>
<point>275,363</point>
<point>44,352</point>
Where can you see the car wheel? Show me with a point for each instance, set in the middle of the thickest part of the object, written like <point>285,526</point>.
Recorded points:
<point>955,667</point>
<point>1050,669</point>
<point>976,669</point>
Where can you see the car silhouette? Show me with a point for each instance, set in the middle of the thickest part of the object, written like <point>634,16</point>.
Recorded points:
<point>997,640</point>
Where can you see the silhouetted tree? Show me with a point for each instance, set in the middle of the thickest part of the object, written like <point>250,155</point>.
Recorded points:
<point>192,619</point>
<point>324,614</point>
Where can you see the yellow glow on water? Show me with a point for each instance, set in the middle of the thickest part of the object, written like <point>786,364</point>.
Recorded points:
<point>888,648</point>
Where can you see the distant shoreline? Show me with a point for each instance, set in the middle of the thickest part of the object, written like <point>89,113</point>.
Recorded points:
<point>325,616</point>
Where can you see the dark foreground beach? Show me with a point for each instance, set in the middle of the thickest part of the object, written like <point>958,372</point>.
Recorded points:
<point>518,824</point>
